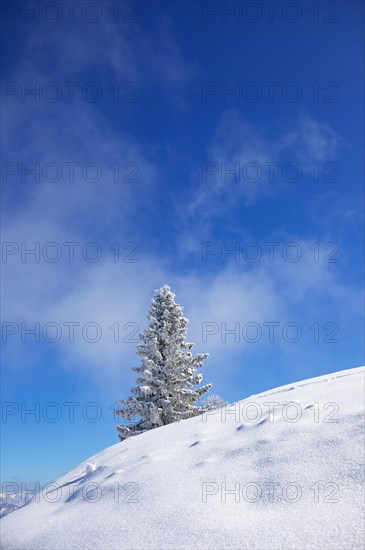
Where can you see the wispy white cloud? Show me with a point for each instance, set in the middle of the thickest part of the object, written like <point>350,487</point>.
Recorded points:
<point>237,145</point>
<point>311,140</point>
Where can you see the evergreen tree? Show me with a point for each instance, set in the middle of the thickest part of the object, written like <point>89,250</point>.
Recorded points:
<point>165,390</point>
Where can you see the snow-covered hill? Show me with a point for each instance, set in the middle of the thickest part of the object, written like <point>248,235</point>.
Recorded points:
<point>291,478</point>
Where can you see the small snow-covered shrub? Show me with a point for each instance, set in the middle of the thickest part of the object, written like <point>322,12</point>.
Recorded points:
<point>213,402</point>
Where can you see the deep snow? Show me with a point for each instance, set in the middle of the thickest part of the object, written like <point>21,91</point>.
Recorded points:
<point>165,489</point>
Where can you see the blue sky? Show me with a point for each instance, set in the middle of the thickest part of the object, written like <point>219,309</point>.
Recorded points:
<point>177,95</point>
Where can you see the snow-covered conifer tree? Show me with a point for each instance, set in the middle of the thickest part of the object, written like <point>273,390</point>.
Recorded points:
<point>166,388</point>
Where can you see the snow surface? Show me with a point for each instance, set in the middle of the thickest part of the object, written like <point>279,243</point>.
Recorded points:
<point>171,480</point>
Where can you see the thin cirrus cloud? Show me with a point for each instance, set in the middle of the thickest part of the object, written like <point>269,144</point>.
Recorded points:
<point>236,142</point>
<point>312,141</point>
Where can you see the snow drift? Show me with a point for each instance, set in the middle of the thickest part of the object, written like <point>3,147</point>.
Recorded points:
<point>282,469</point>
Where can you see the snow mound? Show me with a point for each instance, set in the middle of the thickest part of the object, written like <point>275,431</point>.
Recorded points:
<point>90,467</point>
<point>282,469</point>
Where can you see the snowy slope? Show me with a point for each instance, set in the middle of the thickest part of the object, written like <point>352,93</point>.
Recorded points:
<point>170,481</point>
